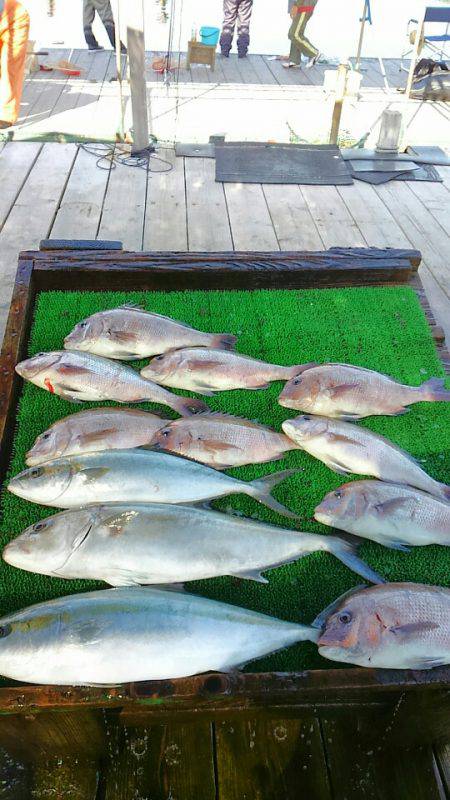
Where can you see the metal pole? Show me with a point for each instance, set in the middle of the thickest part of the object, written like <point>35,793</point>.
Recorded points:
<point>415,55</point>
<point>136,61</point>
<point>361,34</point>
<point>119,71</point>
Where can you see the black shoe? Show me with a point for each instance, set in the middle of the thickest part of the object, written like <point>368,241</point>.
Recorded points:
<point>4,124</point>
<point>95,48</point>
<point>224,54</point>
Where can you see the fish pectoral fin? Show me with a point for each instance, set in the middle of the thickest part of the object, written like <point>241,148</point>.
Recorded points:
<point>345,416</point>
<point>72,369</point>
<point>91,474</point>
<point>382,509</point>
<point>342,438</point>
<point>337,467</point>
<point>342,389</point>
<point>197,365</point>
<point>123,336</point>
<point>95,436</point>
<point>250,575</point>
<point>217,446</point>
<point>411,628</point>
<point>117,523</point>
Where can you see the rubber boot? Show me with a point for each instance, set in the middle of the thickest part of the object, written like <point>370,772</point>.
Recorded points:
<point>226,40</point>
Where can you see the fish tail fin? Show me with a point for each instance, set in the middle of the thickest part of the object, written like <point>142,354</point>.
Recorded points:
<point>262,487</point>
<point>187,406</point>
<point>224,341</point>
<point>345,548</point>
<point>297,369</point>
<point>434,389</point>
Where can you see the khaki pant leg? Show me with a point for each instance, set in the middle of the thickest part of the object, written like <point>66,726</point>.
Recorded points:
<point>14,32</point>
<point>304,45</point>
<point>104,10</point>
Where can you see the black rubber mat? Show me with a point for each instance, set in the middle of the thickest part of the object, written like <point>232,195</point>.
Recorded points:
<point>426,172</point>
<point>312,165</point>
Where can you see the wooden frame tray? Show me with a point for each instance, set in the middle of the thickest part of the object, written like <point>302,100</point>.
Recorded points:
<point>424,695</point>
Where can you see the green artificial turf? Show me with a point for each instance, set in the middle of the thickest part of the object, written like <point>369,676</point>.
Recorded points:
<point>380,328</point>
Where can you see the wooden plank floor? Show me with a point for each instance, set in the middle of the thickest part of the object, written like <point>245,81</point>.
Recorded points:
<point>253,98</point>
<point>58,191</point>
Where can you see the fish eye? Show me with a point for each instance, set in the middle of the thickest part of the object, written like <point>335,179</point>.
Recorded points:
<point>39,526</point>
<point>307,418</point>
<point>36,472</point>
<point>338,493</point>
<point>345,617</point>
<point>46,436</point>
<point>166,432</point>
<point>5,630</point>
<point>297,381</point>
<point>40,354</point>
<point>158,358</point>
<point>82,325</point>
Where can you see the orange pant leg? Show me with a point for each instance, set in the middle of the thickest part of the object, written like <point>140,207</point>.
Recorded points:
<point>14,30</point>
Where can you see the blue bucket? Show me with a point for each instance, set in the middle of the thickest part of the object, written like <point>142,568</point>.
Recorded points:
<point>210,35</point>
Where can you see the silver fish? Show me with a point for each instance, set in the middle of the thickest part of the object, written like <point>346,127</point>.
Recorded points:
<point>80,376</point>
<point>222,441</point>
<point>126,544</point>
<point>205,371</point>
<point>347,392</point>
<point>347,448</point>
<point>394,626</point>
<point>136,476</point>
<point>131,333</point>
<point>394,515</point>
<point>94,430</point>
<point>120,635</point>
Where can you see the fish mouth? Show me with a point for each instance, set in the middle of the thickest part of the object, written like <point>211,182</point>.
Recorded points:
<point>13,551</point>
<point>321,515</point>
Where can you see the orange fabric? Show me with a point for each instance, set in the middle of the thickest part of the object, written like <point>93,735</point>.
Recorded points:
<point>14,30</point>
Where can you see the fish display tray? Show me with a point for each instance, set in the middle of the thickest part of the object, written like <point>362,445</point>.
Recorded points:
<point>66,268</point>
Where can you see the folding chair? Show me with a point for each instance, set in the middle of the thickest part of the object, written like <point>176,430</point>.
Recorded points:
<point>432,14</point>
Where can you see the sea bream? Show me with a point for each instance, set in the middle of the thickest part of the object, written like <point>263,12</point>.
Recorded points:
<point>135,634</point>
<point>93,430</point>
<point>207,371</point>
<point>347,392</point>
<point>136,476</point>
<point>126,544</point>
<point>394,626</point>
<point>347,448</point>
<point>222,441</point>
<point>392,514</point>
<point>81,376</point>
<point>131,333</point>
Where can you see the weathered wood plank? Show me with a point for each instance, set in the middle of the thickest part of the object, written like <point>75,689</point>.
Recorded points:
<point>37,737</point>
<point>334,222</point>
<point>442,754</point>
<point>374,220</point>
<point>407,774</point>
<point>67,778</point>
<point>80,209</point>
<point>124,207</point>
<point>267,759</point>
<point>15,777</point>
<point>16,161</point>
<point>165,225</point>
<point>250,220</point>
<point>161,762</point>
<point>262,70</point>
<point>291,218</point>
<point>207,215</point>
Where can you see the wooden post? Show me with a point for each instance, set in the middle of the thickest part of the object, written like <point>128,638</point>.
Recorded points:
<point>415,55</point>
<point>361,34</point>
<point>341,88</point>
<point>134,11</point>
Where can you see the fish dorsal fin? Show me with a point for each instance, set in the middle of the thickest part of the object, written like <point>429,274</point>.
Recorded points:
<point>321,618</point>
<point>138,307</point>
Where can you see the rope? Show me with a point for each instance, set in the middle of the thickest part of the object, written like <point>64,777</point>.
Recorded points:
<point>108,157</point>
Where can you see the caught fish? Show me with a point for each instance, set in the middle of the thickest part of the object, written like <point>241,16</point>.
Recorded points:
<point>206,371</point>
<point>223,441</point>
<point>394,626</point>
<point>136,476</point>
<point>81,376</point>
<point>125,544</point>
<point>394,515</point>
<point>130,333</point>
<point>347,448</point>
<point>346,392</point>
<point>94,430</point>
<point>120,635</point>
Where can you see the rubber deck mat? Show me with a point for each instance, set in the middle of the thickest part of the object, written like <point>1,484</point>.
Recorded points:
<point>313,165</point>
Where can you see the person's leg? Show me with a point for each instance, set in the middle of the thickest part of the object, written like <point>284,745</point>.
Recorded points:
<point>230,12</point>
<point>295,55</point>
<point>14,30</point>
<point>243,27</point>
<point>104,10</point>
<point>88,19</point>
<point>304,45</point>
